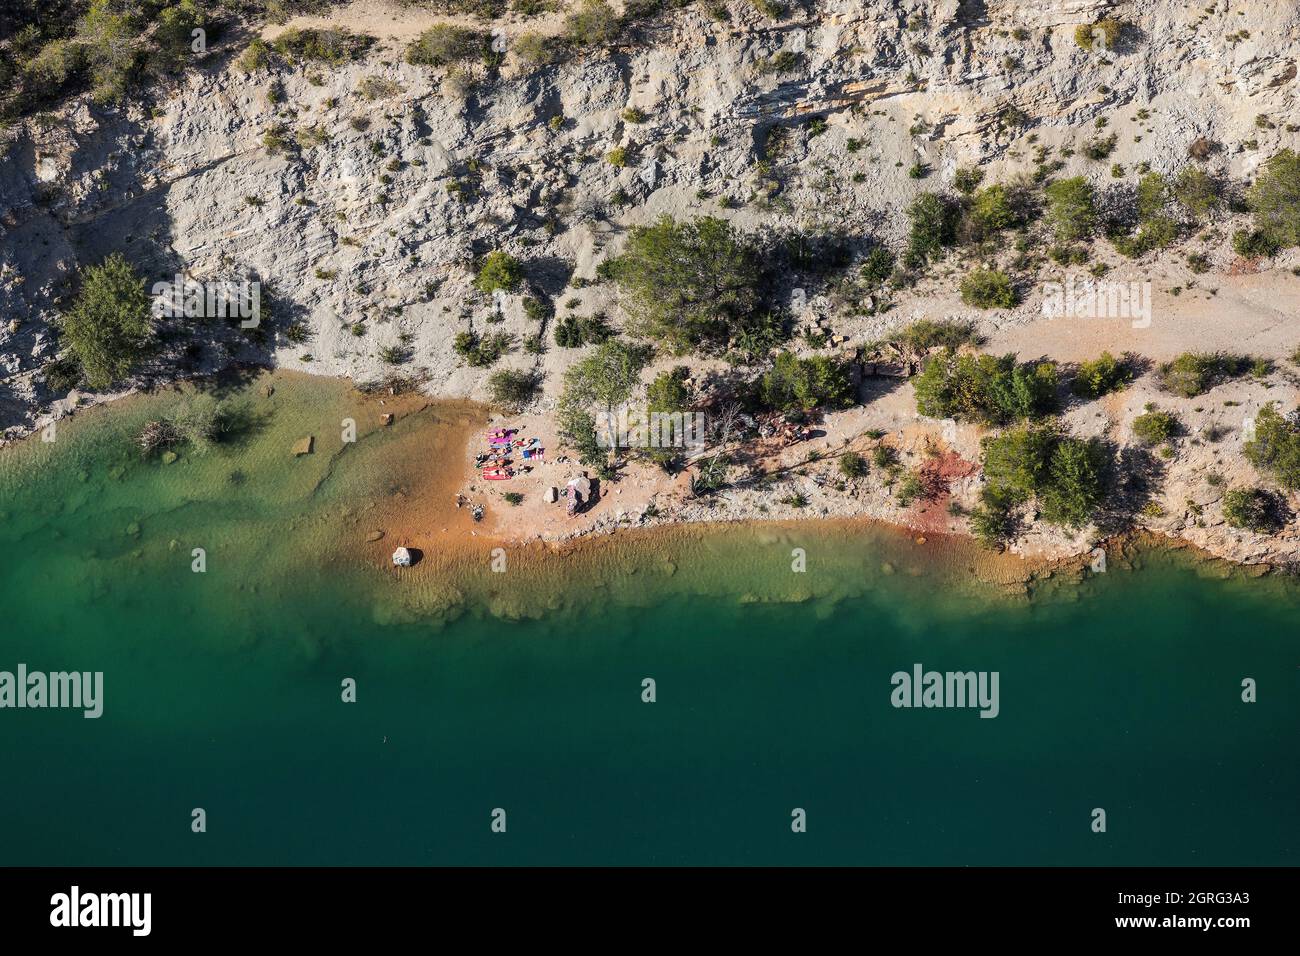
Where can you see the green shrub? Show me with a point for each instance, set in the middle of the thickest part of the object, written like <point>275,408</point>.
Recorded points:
<point>910,487</point>
<point>1154,427</point>
<point>1194,373</point>
<point>1038,461</point>
<point>668,392</point>
<point>335,45</point>
<point>1275,449</point>
<point>1249,508</point>
<point>1197,191</point>
<point>806,383</point>
<point>499,270</point>
<point>783,61</point>
<point>1070,208</point>
<point>539,50</point>
<point>924,334</point>
<point>594,24</point>
<point>991,210</point>
<point>852,465</point>
<point>966,179</point>
<point>512,389</point>
<point>991,521</point>
<point>1101,376</point>
<point>109,325</point>
<point>482,352</point>
<point>1100,147</point>
<point>988,289</point>
<point>985,388</point>
<point>1255,244</point>
<point>1274,198</point>
<point>878,265</point>
<point>933,225</point>
<point>444,44</point>
<point>256,57</point>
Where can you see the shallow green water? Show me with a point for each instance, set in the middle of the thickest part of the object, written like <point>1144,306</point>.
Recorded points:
<point>222,690</point>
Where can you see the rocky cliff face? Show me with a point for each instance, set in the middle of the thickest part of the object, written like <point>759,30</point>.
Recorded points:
<point>360,194</point>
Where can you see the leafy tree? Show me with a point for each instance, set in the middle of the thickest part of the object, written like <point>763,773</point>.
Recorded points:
<point>109,325</point>
<point>606,377</point>
<point>1019,460</point>
<point>985,388</point>
<point>1074,489</point>
<point>600,381</point>
<point>1275,449</point>
<point>174,35</point>
<point>933,226</point>
<point>1274,198</point>
<point>111,41</point>
<point>689,284</point>
<point>1062,472</point>
<point>806,383</point>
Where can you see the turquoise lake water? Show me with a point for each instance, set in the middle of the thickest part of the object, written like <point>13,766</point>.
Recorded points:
<point>222,691</point>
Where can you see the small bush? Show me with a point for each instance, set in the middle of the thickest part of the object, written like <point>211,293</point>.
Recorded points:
<point>910,487</point>
<point>1154,427</point>
<point>925,334</point>
<point>852,465</point>
<point>499,270</point>
<point>988,289</point>
<point>1195,373</point>
<point>512,389</point>
<point>1105,34</point>
<point>335,46</point>
<point>1071,209</point>
<point>1249,508</point>
<point>594,24</point>
<point>1101,376</point>
<point>444,44</point>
